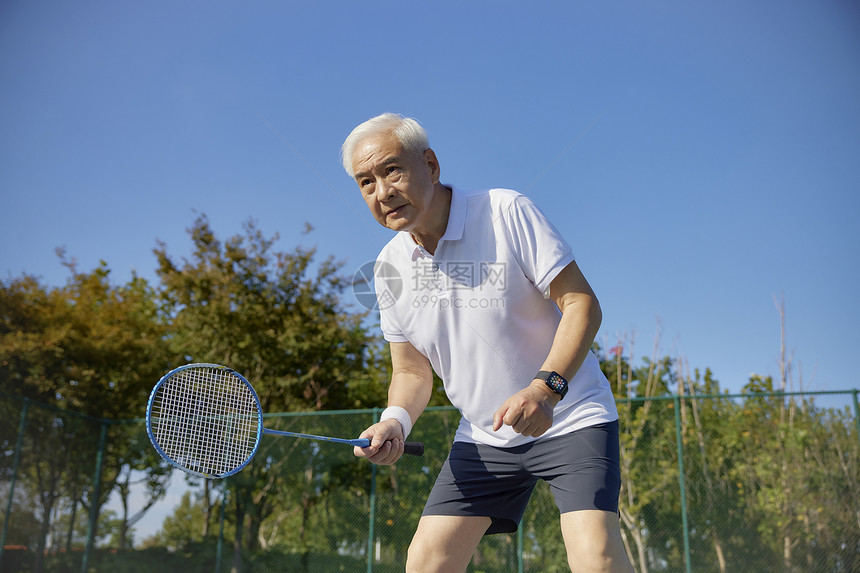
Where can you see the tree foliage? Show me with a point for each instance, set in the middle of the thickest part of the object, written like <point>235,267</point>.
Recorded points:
<point>89,347</point>
<point>273,316</point>
<point>280,320</point>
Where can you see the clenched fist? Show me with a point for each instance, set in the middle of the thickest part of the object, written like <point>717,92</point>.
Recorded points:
<point>529,411</point>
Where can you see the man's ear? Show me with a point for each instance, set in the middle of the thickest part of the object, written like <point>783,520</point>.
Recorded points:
<point>433,163</point>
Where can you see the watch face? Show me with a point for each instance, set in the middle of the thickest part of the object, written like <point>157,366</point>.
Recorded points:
<point>554,379</point>
<point>557,383</point>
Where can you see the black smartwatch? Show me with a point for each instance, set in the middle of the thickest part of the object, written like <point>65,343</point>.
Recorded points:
<point>554,380</point>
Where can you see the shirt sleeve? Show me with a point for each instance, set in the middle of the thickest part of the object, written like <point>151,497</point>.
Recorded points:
<point>390,332</point>
<point>386,298</point>
<point>537,244</point>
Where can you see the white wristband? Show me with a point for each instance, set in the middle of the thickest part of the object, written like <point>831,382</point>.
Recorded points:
<point>399,414</point>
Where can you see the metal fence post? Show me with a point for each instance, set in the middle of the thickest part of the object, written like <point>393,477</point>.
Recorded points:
<point>221,526</point>
<point>681,482</point>
<point>370,532</point>
<point>520,564</point>
<point>856,412</point>
<point>18,442</point>
<point>94,502</point>
<point>372,517</point>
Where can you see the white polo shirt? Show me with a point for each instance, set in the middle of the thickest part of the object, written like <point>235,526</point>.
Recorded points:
<point>476,309</point>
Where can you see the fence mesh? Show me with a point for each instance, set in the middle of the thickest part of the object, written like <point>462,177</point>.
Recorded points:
<point>765,482</point>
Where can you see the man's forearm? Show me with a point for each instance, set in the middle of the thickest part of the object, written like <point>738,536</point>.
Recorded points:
<point>576,331</point>
<point>410,391</point>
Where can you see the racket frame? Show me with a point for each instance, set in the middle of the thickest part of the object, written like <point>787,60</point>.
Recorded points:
<point>411,448</point>
<point>163,454</point>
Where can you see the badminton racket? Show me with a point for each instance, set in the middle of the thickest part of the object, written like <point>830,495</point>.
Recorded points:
<point>207,420</point>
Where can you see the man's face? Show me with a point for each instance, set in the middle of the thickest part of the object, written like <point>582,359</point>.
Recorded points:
<point>396,184</point>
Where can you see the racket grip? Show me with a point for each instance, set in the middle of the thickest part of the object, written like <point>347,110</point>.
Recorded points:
<point>413,448</point>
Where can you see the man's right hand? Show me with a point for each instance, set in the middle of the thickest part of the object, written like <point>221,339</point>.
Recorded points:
<point>386,443</point>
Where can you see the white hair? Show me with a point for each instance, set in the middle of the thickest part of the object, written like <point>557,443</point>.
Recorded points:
<point>408,132</point>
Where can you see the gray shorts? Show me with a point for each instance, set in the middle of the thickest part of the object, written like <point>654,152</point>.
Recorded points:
<point>581,468</point>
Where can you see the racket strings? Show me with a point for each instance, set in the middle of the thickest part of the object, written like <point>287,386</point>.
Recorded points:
<point>206,420</point>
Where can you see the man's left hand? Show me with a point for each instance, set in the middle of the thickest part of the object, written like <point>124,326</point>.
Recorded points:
<point>529,411</point>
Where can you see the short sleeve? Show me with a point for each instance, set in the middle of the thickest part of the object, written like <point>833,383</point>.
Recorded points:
<point>386,298</point>
<point>536,243</point>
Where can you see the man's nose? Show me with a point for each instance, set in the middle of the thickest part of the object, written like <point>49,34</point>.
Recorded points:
<point>384,190</point>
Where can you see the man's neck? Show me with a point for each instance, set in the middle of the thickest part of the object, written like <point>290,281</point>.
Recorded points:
<point>440,209</point>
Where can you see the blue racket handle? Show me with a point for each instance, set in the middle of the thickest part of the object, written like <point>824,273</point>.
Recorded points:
<point>410,448</point>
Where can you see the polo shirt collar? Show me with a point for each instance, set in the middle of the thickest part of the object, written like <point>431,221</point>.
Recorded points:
<point>456,217</point>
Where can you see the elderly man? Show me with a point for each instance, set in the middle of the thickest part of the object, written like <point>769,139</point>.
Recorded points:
<point>489,296</point>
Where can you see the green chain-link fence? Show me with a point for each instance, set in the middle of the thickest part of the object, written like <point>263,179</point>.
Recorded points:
<point>762,482</point>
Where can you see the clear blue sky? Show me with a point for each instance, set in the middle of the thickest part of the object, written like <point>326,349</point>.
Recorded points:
<point>700,157</point>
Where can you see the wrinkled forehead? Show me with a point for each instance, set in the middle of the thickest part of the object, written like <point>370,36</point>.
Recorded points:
<point>374,150</point>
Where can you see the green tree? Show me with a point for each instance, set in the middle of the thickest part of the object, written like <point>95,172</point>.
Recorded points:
<point>88,347</point>
<point>649,468</point>
<point>184,527</point>
<point>714,510</point>
<point>136,466</point>
<point>279,319</point>
<point>798,464</point>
